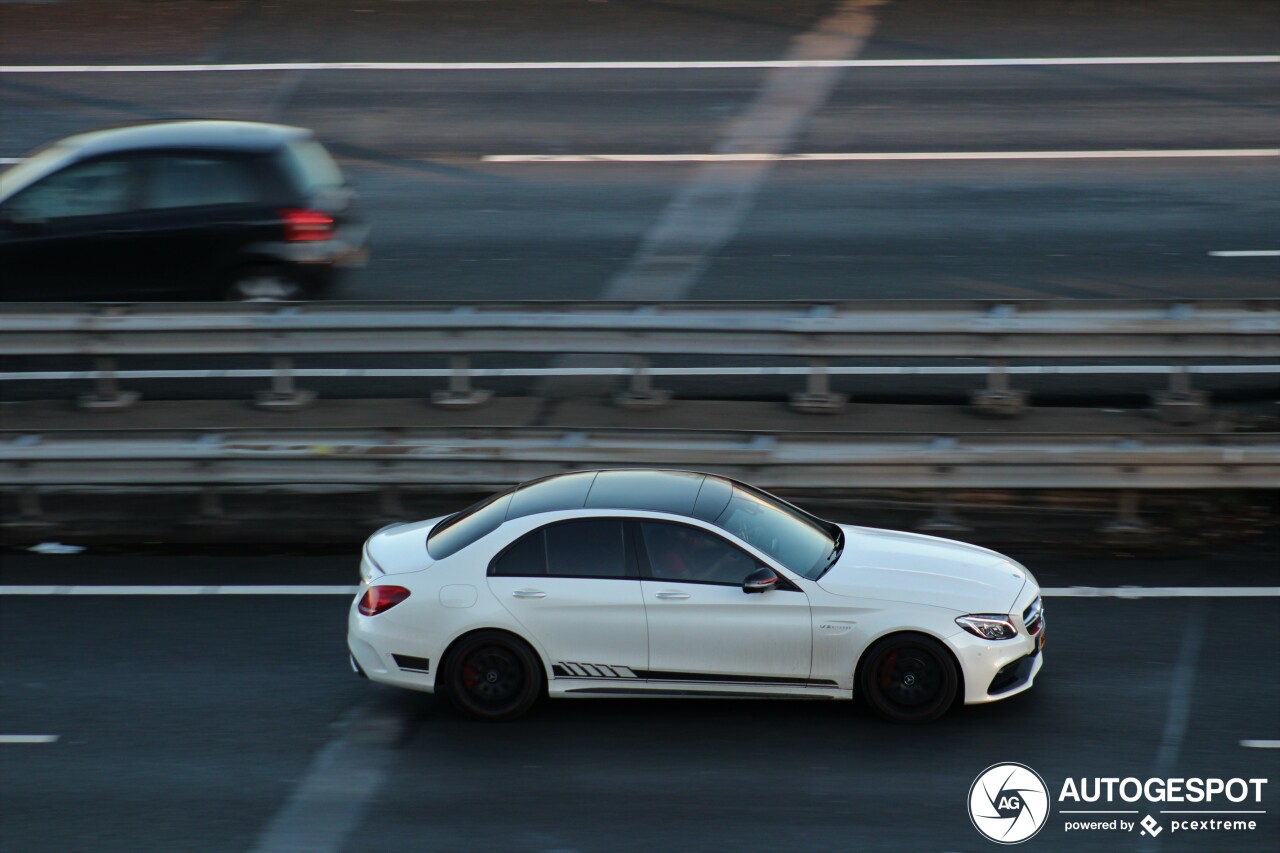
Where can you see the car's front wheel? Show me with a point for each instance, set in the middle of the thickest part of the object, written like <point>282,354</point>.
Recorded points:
<point>491,675</point>
<point>909,678</point>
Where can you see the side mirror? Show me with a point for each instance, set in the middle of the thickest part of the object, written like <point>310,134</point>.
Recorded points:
<point>761,580</point>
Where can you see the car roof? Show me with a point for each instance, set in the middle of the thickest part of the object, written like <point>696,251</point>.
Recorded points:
<point>249,136</point>
<point>684,493</point>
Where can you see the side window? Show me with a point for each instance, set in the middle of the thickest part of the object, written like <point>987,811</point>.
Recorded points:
<point>96,188</point>
<point>591,547</point>
<point>528,557</point>
<point>198,180</point>
<point>678,552</point>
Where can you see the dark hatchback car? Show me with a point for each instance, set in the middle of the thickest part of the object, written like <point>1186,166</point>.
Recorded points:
<point>194,209</point>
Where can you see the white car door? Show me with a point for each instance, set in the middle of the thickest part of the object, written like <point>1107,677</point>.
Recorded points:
<point>577,592</point>
<point>703,629</point>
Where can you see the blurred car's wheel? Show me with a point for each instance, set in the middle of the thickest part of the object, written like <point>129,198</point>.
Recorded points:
<point>908,678</point>
<point>264,284</point>
<point>491,675</point>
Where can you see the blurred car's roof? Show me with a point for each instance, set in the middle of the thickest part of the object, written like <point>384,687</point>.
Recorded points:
<point>239,135</point>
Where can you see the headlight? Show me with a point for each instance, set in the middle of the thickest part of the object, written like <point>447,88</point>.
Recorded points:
<point>988,626</point>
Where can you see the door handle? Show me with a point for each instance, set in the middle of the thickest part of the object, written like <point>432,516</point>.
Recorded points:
<point>673,595</point>
<point>529,593</point>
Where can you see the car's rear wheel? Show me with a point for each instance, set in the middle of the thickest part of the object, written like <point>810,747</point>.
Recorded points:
<point>909,678</point>
<point>491,675</point>
<point>264,284</point>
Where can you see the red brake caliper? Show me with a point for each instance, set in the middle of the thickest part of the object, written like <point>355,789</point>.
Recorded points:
<point>886,668</point>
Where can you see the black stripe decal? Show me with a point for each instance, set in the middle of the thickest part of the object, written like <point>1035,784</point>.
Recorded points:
<point>565,669</point>
<point>412,664</point>
<point>708,677</point>
<point>675,691</point>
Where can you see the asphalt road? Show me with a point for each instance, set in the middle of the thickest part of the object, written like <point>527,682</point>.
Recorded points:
<point>229,723</point>
<point>449,224</point>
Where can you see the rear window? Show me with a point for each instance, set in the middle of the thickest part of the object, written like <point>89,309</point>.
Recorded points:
<point>454,534</point>
<point>309,166</point>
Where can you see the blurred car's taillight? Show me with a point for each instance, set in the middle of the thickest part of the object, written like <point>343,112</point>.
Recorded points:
<point>303,225</point>
<point>379,599</point>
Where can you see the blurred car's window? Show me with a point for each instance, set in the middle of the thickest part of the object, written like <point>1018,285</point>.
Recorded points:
<point>96,188</point>
<point>310,167</point>
<point>678,552</point>
<point>526,557</point>
<point>587,548</point>
<point>198,181</point>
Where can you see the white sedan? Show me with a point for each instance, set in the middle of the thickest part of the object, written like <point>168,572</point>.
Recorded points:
<point>671,583</point>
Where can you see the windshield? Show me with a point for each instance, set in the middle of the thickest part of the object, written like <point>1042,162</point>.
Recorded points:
<point>794,538</point>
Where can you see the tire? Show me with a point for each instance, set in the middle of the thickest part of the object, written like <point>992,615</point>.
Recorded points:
<point>264,284</point>
<point>491,675</point>
<point>908,678</point>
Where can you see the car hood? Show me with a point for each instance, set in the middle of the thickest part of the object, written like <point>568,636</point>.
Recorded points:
<point>400,548</point>
<point>895,566</point>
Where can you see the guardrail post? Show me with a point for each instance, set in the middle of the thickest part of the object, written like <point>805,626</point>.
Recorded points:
<point>641,393</point>
<point>389,504</point>
<point>460,394</point>
<point>106,395</point>
<point>1181,404</point>
<point>944,518</point>
<point>284,396</point>
<point>211,504</point>
<point>817,398</point>
<point>1127,521</point>
<point>998,400</point>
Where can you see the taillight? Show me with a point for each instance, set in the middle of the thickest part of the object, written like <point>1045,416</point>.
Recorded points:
<point>379,599</point>
<point>302,225</point>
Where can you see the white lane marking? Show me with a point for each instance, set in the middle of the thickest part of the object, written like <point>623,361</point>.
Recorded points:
<point>1162,591</point>
<point>643,65</point>
<point>1256,253</point>
<point>344,776</point>
<point>499,372</point>
<point>175,589</point>
<point>1260,744</point>
<point>317,589</point>
<point>17,739</point>
<point>887,156</point>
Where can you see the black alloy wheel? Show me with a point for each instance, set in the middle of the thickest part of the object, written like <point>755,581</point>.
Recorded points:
<point>493,676</point>
<point>909,678</point>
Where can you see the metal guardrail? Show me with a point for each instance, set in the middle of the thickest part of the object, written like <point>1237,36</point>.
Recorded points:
<point>485,457</point>
<point>1178,331</point>
<point>850,329</point>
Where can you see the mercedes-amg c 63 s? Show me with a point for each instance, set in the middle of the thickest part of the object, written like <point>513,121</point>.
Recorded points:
<point>671,583</point>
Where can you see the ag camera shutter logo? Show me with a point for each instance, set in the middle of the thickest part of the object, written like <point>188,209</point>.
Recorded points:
<point>1008,803</point>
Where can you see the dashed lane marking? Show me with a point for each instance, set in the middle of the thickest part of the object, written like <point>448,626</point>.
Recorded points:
<point>28,739</point>
<point>888,156</point>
